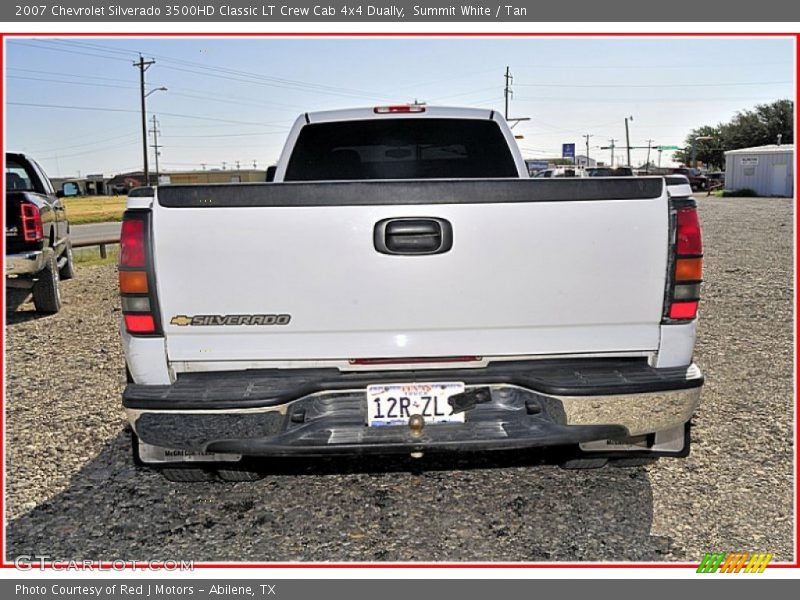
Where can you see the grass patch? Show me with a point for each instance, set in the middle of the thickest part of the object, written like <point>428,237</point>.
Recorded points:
<point>95,209</point>
<point>90,256</point>
<point>741,193</point>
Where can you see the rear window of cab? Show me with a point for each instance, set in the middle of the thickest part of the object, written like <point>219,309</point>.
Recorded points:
<point>400,149</point>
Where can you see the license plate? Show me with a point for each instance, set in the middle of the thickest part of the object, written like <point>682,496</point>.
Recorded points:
<point>394,403</point>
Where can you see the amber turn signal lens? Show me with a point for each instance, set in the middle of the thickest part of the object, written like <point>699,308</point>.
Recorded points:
<point>133,282</point>
<point>689,269</point>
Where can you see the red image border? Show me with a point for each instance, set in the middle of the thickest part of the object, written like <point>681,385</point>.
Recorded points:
<point>222,565</point>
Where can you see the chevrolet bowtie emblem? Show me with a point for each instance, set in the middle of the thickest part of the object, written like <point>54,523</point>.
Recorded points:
<point>181,320</point>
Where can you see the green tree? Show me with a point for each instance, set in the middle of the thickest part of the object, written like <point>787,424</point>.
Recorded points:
<point>760,126</point>
<point>711,152</point>
<point>757,127</point>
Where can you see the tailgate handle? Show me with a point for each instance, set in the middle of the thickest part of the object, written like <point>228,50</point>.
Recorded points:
<point>413,235</point>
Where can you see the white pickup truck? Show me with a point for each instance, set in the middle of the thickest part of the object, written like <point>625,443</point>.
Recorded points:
<point>403,286</point>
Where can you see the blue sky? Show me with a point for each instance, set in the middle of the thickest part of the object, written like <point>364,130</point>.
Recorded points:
<point>233,100</point>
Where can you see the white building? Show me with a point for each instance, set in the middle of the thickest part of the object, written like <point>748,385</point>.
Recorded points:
<point>769,170</point>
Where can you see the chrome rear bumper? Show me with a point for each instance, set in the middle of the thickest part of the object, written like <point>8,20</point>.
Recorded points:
<point>25,263</point>
<point>333,422</point>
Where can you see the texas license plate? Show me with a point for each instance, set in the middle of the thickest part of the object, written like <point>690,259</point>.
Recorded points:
<point>394,403</point>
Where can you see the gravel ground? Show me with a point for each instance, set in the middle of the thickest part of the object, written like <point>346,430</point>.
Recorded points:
<point>72,492</point>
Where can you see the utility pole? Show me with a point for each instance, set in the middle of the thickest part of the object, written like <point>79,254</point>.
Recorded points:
<point>587,136</point>
<point>612,145</point>
<point>155,145</point>
<point>143,65</point>
<point>628,140</point>
<point>507,92</point>
<point>647,164</point>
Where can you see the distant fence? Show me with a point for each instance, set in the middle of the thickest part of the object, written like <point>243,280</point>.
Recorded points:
<point>103,242</point>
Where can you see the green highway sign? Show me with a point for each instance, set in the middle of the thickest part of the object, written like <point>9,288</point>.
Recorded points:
<point>660,148</point>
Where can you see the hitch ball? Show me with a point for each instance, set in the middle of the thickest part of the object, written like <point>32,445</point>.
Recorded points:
<point>416,423</point>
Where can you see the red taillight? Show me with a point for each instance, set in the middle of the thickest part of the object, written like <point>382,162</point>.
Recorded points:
<point>683,310</point>
<point>132,250</point>
<point>139,305</point>
<point>688,240</point>
<point>140,323</point>
<point>683,283</point>
<point>399,108</point>
<point>31,222</point>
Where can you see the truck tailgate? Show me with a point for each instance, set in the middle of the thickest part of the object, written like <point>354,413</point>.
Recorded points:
<point>536,267</point>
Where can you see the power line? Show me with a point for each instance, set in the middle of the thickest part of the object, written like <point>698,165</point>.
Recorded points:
<point>616,67</point>
<point>439,98</point>
<point>85,152</point>
<point>202,94</point>
<point>82,83</point>
<point>221,72</point>
<point>487,101</point>
<point>214,146</point>
<point>249,80</point>
<point>83,145</point>
<point>65,74</point>
<point>91,108</point>
<point>240,76</point>
<point>226,135</point>
<point>470,76</point>
<point>40,47</point>
<point>199,65</point>
<point>628,100</point>
<point>647,85</point>
<point>128,110</point>
<point>228,100</point>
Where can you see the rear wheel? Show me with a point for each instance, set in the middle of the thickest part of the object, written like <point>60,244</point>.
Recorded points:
<point>46,295</point>
<point>188,475</point>
<point>584,463</point>
<point>640,461</point>
<point>239,474</point>
<point>68,270</point>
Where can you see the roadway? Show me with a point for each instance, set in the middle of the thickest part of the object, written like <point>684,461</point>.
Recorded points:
<point>94,231</point>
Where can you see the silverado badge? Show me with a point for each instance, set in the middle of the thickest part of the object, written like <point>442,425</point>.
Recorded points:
<point>232,320</point>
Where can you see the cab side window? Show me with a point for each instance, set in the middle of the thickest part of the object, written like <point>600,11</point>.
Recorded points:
<point>48,188</point>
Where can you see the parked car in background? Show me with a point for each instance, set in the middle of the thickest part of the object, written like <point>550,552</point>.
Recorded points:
<point>558,172</point>
<point>697,180</point>
<point>38,249</point>
<point>608,172</point>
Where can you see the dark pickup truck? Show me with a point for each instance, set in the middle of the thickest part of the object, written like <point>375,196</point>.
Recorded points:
<point>38,249</point>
